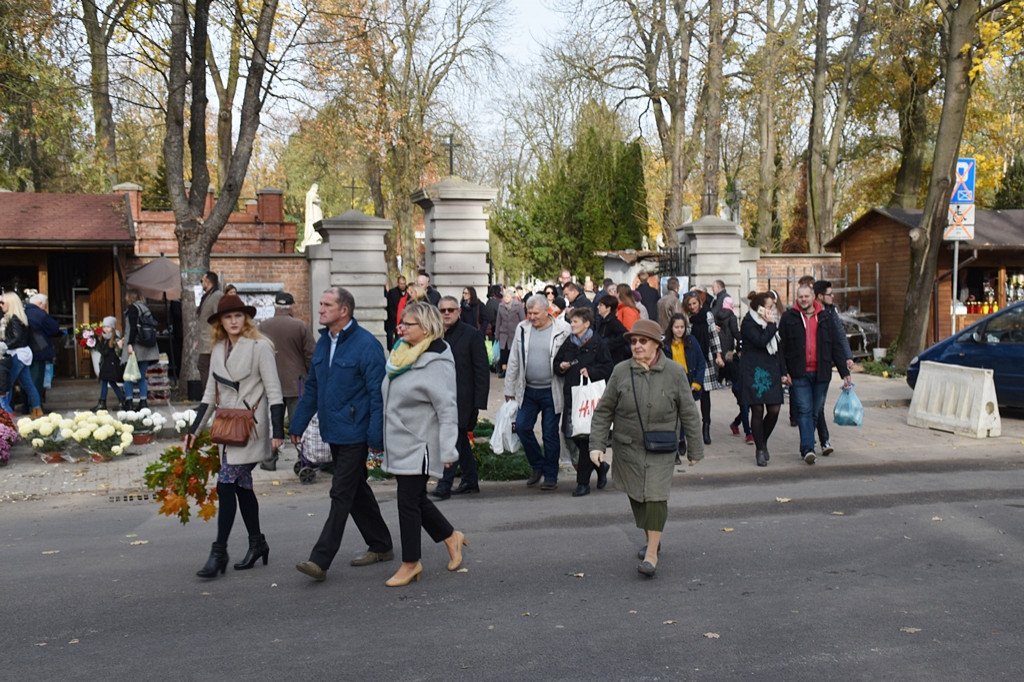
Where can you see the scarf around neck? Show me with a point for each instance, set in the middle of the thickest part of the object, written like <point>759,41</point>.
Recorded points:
<point>587,335</point>
<point>403,355</point>
<point>773,345</point>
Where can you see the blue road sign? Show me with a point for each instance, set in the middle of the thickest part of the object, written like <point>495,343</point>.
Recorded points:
<point>963,182</point>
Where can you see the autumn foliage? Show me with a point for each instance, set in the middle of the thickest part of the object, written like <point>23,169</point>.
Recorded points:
<point>181,477</point>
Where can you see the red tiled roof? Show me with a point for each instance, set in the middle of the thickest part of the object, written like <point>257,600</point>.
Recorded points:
<point>40,219</point>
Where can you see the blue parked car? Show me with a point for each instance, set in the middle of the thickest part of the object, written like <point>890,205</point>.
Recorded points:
<point>995,342</point>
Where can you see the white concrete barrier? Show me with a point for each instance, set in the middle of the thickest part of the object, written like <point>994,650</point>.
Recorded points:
<point>961,400</point>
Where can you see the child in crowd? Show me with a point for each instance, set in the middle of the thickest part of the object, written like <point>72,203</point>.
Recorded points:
<point>109,347</point>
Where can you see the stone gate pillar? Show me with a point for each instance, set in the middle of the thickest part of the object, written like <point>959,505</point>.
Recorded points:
<point>352,256</point>
<point>456,244</point>
<point>713,248</point>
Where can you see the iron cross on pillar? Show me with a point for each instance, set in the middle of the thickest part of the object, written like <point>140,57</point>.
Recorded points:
<point>451,145</point>
<point>352,187</point>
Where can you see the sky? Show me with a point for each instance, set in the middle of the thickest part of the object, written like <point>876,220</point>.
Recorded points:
<point>533,24</point>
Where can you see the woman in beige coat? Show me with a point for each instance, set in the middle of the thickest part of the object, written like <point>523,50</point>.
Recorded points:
<point>651,390</point>
<point>243,375</point>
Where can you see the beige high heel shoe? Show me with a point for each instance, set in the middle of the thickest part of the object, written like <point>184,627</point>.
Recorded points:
<point>395,581</point>
<point>456,554</point>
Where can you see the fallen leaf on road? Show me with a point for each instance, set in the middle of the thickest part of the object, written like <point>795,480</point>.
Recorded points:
<point>527,613</point>
<point>40,643</point>
<point>462,570</point>
<point>52,551</point>
<point>936,518</point>
<point>273,584</point>
<point>712,635</point>
<point>575,575</point>
<point>838,513</point>
<point>290,492</point>
<point>669,622</point>
<point>910,630</point>
<point>873,444</point>
<point>728,530</point>
<point>275,483</point>
<point>633,612</point>
<point>132,535</point>
<point>139,542</point>
<point>490,627</point>
<point>783,500</point>
<point>311,514</point>
<point>74,641</point>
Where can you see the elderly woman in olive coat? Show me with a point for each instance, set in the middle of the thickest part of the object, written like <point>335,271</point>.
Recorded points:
<point>662,396</point>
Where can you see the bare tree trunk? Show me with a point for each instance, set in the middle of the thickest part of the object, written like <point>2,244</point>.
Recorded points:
<point>713,121</point>
<point>195,233</point>
<point>98,35</point>
<point>767,179</point>
<point>961,21</point>
<point>226,89</point>
<point>913,120</point>
<point>816,141</point>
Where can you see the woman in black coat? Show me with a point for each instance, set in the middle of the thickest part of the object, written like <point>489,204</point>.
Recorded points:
<point>584,354</point>
<point>473,311</point>
<point>611,329</point>
<point>761,370</point>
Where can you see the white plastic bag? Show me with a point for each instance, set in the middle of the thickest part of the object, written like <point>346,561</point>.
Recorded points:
<point>585,398</point>
<point>314,449</point>
<point>504,439</point>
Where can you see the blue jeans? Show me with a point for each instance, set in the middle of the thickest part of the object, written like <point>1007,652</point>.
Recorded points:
<point>808,400</point>
<point>129,386</point>
<point>103,390</point>
<point>23,375</point>
<point>539,401</point>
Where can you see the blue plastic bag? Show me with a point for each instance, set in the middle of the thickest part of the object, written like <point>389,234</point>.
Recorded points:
<point>849,410</point>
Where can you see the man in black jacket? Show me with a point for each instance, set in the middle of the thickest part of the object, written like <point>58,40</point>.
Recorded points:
<point>648,295</point>
<point>393,296</point>
<point>811,347</point>
<point>472,382</point>
<point>824,296</point>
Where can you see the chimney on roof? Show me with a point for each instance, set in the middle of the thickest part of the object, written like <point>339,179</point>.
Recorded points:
<point>270,205</point>
<point>134,193</point>
<point>250,206</point>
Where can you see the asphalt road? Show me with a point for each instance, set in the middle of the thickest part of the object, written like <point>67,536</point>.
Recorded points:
<point>909,575</point>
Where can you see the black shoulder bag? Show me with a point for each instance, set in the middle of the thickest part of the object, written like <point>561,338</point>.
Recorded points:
<point>654,441</point>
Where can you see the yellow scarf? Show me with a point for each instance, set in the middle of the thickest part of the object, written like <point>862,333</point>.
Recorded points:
<point>403,355</point>
<point>679,353</point>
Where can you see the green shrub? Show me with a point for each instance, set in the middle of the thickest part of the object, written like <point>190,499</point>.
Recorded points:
<point>881,369</point>
<point>504,467</point>
<point>483,429</point>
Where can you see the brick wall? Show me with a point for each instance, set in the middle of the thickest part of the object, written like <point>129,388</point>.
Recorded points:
<point>781,271</point>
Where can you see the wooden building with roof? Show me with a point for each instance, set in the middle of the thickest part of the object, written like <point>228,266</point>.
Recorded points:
<point>882,236</point>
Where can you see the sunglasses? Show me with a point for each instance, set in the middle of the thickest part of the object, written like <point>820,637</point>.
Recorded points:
<point>449,310</point>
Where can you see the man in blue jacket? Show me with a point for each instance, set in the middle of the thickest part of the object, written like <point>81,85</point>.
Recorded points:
<point>343,385</point>
<point>43,328</point>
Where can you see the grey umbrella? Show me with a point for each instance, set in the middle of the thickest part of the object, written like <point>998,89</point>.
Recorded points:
<point>157,279</point>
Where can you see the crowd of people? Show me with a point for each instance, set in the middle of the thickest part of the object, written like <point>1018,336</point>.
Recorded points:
<point>416,402</point>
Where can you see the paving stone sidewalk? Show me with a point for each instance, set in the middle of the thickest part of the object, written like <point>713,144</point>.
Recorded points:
<point>884,438</point>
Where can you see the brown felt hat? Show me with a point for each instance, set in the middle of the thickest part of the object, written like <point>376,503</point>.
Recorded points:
<point>648,329</point>
<point>231,304</point>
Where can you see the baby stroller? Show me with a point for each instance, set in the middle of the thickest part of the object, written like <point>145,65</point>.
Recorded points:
<point>314,453</point>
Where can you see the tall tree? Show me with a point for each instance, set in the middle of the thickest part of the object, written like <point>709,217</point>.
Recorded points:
<point>643,49</point>
<point>823,148</point>
<point>186,81</point>
<point>962,41</point>
<point>100,25</point>
<point>714,85</point>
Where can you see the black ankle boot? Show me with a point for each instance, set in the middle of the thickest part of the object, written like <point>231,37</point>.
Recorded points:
<point>258,547</point>
<point>101,405</point>
<point>217,563</point>
<point>707,434</point>
<point>143,403</point>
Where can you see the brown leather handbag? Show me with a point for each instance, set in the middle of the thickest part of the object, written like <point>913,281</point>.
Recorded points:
<point>234,426</point>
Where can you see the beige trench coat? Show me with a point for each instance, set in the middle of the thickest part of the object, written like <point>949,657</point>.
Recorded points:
<point>252,365</point>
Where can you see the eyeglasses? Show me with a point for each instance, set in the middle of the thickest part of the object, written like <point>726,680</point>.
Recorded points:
<point>403,323</point>
<point>449,310</point>
<point>639,340</point>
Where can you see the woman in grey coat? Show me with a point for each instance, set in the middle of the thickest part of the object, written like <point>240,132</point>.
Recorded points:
<point>144,355</point>
<point>651,390</point>
<point>420,430</point>
<point>243,375</point>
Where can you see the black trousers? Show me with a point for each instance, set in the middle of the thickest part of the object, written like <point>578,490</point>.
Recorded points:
<point>350,494</point>
<point>584,467</point>
<point>416,511</point>
<point>467,462</point>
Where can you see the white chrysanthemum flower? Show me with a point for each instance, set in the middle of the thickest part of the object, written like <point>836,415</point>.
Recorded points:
<point>129,429</point>
<point>116,450</point>
<point>45,430</point>
<point>37,442</point>
<point>24,422</point>
<point>145,412</point>
<point>66,433</point>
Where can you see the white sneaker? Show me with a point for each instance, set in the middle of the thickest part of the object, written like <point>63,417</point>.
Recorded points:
<point>826,449</point>
<point>809,458</point>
